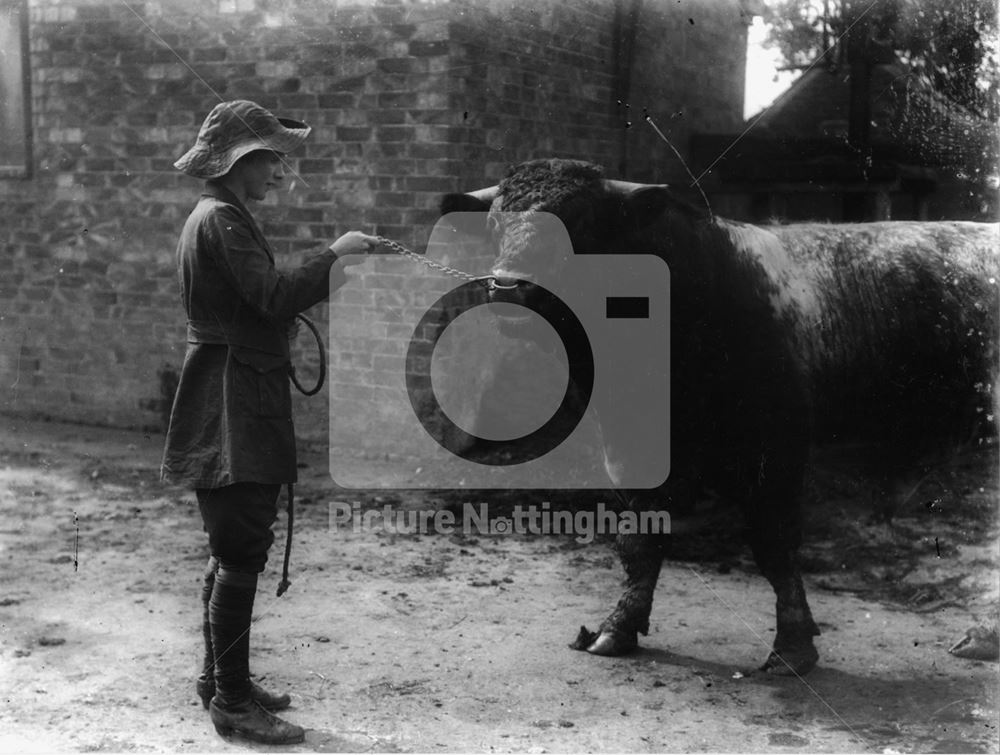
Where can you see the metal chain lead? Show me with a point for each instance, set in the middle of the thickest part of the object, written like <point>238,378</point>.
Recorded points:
<point>400,249</point>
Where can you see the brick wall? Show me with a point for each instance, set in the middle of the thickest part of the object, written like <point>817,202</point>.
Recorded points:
<point>407,100</point>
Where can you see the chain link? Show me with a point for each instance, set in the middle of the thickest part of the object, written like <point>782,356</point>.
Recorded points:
<point>422,259</point>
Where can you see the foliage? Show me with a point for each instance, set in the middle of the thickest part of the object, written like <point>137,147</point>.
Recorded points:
<point>950,44</point>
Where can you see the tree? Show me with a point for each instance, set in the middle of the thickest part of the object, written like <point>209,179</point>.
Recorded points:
<point>950,44</point>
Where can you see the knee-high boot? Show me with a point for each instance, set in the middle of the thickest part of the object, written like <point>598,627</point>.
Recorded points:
<point>206,679</point>
<point>233,709</point>
<point>205,686</point>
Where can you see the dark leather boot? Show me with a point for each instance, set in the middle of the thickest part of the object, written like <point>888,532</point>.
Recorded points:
<point>250,721</point>
<point>268,700</point>
<point>233,709</point>
<point>208,663</point>
<point>205,686</point>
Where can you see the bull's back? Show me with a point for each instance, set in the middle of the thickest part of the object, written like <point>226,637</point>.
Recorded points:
<point>896,323</point>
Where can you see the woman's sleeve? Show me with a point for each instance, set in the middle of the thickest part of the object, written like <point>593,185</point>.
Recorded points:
<point>276,295</point>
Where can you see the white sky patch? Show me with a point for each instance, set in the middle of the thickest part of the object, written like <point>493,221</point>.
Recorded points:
<point>764,81</point>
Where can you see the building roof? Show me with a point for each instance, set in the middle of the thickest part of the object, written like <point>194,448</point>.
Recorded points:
<point>909,118</point>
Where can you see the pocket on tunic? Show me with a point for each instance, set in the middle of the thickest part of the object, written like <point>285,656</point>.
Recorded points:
<point>260,383</point>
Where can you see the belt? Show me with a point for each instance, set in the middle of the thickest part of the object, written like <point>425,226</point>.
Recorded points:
<point>270,341</point>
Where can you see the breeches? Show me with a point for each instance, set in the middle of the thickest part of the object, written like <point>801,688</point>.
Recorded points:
<point>238,520</point>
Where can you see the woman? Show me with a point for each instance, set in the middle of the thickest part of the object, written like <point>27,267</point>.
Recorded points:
<point>231,436</point>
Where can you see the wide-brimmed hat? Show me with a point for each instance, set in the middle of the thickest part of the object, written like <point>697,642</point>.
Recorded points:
<point>232,130</point>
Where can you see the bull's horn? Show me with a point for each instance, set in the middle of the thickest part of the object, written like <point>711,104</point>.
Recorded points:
<point>485,195</point>
<point>626,187</point>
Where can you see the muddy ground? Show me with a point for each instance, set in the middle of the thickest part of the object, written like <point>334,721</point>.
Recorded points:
<point>395,642</point>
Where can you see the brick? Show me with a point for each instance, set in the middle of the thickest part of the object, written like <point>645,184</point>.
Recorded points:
<point>387,378</point>
<point>100,165</point>
<point>303,101</point>
<point>380,117</point>
<point>354,133</point>
<point>351,392</point>
<point>305,214</point>
<point>397,65</point>
<point>394,133</point>
<point>315,166</point>
<point>142,150</point>
<point>430,183</point>
<point>419,48</point>
<point>336,100</point>
<point>395,364</point>
<point>405,99</point>
<point>209,54</point>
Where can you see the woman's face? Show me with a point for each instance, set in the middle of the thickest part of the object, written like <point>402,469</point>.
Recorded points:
<point>260,171</point>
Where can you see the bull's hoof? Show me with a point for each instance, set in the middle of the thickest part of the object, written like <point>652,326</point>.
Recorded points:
<point>605,643</point>
<point>613,643</point>
<point>791,661</point>
<point>979,643</point>
<point>584,639</point>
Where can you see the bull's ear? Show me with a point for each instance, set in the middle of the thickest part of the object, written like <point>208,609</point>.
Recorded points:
<point>642,205</point>
<point>477,201</point>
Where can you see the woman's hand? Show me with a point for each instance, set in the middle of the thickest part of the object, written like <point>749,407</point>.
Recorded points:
<point>353,246</point>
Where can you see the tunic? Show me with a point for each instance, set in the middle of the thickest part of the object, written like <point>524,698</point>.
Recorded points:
<point>231,419</point>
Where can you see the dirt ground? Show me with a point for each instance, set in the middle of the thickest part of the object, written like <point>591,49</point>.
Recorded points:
<point>395,642</point>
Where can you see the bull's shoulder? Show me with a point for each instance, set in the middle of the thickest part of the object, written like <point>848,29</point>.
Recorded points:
<point>788,272</point>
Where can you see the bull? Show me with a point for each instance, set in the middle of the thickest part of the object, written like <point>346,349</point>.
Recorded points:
<point>782,337</point>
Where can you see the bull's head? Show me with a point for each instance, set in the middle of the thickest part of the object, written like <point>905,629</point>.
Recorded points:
<point>601,216</point>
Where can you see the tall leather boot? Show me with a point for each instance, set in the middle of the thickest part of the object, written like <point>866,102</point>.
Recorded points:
<point>233,709</point>
<point>206,679</point>
<point>205,686</point>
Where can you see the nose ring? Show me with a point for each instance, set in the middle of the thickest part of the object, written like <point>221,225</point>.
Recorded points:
<point>494,285</point>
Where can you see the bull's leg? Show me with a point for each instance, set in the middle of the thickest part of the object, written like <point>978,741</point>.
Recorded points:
<point>641,556</point>
<point>775,532</point>
<point>794,652</point>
